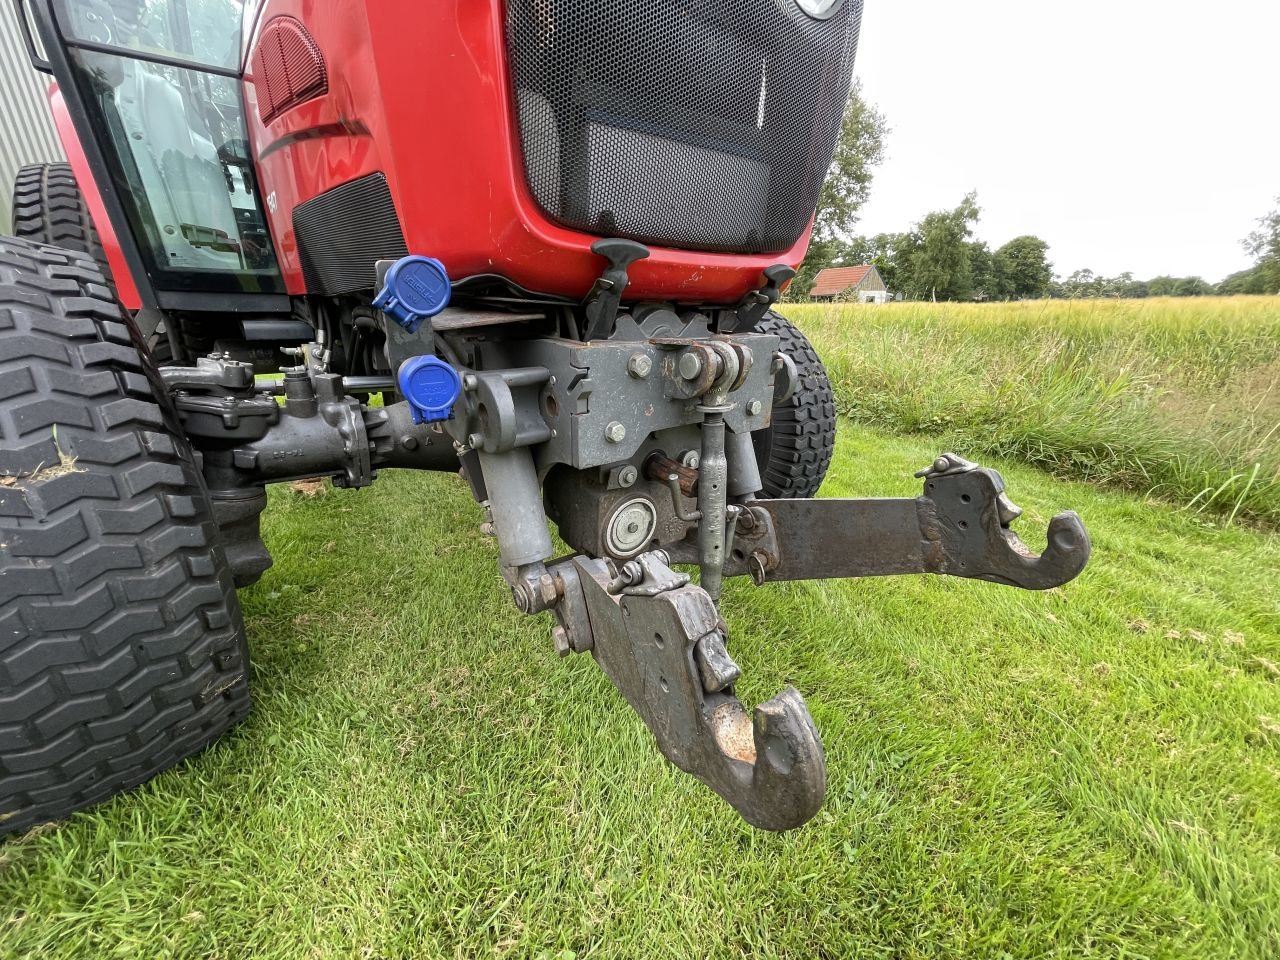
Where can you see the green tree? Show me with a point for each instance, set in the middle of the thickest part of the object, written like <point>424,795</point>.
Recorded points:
<point>1192,287</point>
<point>939,266</point>
<point>1023,268</point>
<point>859,150</point>
<point>1264,243</point>
<point>987,282</point>
<point>1251,281</point>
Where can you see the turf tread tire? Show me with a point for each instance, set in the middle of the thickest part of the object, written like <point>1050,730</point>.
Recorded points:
<point>122,646</point>
<point>48,207</point>
<point>795,451</point>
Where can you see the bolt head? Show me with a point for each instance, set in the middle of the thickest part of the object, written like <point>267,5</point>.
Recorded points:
<point>628,476</point>
<point>690,366</point>
<point>691,459</point>
<point>615,432</point>
<point>639,365</point>
<point>469,381</point>
<point>475,441</point>
<point>754,407</point>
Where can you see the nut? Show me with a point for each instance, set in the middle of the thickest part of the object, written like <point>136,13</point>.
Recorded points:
<point>549,590</point>
<point>615,432</point>
<point>754,407</point>
<point>560,637</point>
<point>628,476</point>
<point>639,365</point>
<point>690,366</point>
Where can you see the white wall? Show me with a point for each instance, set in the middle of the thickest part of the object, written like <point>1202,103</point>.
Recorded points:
<point>26,128</point>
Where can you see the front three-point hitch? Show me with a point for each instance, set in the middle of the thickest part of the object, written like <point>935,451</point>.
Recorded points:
<point>631,428</point>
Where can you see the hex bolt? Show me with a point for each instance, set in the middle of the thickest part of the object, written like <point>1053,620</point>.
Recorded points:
<point>754,407</point>
<point>628,476</point>
<point>639,365</point>
<point>560,637</point>
<point>615,432</point>
<point>690,366</point>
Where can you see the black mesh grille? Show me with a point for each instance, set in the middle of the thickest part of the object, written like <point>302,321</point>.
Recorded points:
<point>344,232</point>
<point>703,124</point>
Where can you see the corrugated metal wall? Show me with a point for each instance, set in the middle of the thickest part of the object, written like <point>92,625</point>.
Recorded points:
<point>26,129</point>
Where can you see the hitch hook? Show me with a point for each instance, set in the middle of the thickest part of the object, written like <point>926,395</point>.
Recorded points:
<point>661,641</point>
<point>972,529</point>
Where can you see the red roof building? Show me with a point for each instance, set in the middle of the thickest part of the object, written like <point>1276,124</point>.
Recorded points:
<point>861,284</point>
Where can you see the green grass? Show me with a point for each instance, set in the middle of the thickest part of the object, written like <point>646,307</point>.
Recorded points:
<point>1179,399</point>
<point>1094,771</point>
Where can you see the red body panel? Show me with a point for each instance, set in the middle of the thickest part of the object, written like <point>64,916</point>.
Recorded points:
<point>126,290</point>
<point>419,91</point>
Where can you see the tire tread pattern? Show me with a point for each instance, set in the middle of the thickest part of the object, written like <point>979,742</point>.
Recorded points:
<point>795,451</point>
<point>122,647</point>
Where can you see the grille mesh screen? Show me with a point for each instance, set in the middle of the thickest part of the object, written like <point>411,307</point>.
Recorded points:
<point>702,124</point>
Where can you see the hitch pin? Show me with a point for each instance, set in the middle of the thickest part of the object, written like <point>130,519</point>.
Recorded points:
<point>673,484</point>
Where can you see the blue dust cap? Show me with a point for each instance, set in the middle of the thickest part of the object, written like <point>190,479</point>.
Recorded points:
<point>431,386</point>
<point>416,288</point>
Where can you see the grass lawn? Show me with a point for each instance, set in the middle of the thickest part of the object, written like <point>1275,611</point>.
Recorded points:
<point>1089,772</point>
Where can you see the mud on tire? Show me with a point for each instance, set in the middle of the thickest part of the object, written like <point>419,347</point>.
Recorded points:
<point>795,451</point>
<point>122,646</point>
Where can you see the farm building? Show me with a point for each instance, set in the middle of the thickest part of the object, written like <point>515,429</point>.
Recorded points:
<point>861,284</point>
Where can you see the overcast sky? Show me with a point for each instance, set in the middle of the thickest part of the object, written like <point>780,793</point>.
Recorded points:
<point>1138,135</point>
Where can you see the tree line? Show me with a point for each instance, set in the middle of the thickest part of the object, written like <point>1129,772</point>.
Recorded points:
<point>939,259</point>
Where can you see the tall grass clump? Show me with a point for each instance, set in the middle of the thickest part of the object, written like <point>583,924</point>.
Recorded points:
<point>1179,399</point>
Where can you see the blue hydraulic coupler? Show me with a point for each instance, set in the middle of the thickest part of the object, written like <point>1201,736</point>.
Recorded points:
<point>415,288</point>
<point>431,386</point>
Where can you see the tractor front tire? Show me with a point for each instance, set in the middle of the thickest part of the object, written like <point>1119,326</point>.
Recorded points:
<point>122,646</point>
<point>794,452</point>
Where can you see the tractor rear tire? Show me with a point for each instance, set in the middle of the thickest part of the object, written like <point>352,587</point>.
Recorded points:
<point>48,207</point>
<point>122,646</point>
<point>794,452</point>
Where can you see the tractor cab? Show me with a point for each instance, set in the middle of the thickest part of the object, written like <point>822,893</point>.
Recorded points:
<point>158,83</point>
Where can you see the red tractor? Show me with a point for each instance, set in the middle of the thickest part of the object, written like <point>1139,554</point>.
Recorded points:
<point>550,234</point>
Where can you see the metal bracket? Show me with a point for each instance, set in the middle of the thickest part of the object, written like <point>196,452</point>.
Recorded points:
<point>661,641</point>
<point>959,527</point>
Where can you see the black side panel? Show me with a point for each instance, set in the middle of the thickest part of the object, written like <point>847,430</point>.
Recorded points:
<point>343,232</point>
